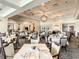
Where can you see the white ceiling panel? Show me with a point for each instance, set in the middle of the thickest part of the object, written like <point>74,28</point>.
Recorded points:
<point>27,7</point>
<point>20,2</point>
<point>10,8</point>
<point>5,10</point>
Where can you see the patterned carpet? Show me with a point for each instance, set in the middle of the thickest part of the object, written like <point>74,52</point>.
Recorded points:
<point>71,53</point>
<point>72,50</point>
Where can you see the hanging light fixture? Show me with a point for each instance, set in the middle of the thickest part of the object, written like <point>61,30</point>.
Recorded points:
<point>44,18</point>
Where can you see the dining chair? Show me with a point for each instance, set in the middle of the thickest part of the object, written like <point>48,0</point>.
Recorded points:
<point>35,38</point>
<point>63,42</point>
<point>9,50</point>
<point>2,52</point>
<point>55,50</point>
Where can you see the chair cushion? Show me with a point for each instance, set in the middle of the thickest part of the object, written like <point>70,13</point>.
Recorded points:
<point>55,49</point>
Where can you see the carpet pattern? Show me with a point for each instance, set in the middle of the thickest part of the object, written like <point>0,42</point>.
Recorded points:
<point>71,53</point>
<point>72,50</point>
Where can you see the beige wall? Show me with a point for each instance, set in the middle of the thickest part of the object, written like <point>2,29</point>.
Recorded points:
<point>15,24</point>
<point>27,22</point>
<point>53,25</point>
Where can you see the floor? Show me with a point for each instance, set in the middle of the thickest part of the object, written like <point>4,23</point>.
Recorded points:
<point>72,50</point>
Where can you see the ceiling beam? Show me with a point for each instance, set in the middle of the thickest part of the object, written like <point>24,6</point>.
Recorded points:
<point>6,3</point>
<point>28,6</point>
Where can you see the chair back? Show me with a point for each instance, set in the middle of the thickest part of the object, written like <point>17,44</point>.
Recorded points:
<point>2,52</point>
<point>9,50</point>
<point>63,41</point>
<point>35,38</point>
<point>55,49</point>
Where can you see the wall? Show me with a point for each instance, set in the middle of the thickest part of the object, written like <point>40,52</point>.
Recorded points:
<point>15,24</point>
<point>50,23</point>
<point>27,22</point>
<point>53,25</point>
<point>74,22</point>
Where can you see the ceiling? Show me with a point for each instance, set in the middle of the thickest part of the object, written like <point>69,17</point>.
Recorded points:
<point>10,8</point>
<point>53,9</point>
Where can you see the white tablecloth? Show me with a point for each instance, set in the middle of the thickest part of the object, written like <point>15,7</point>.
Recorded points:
<point>42,53</point>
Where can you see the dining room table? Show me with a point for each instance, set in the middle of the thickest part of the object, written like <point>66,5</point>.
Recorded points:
<point>33,51</point>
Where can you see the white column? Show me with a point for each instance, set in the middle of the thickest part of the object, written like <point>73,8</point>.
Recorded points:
<point>3,25</point>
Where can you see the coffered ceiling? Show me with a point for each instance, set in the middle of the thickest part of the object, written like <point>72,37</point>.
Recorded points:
<point>10,8</point>
<point>61,9</point>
